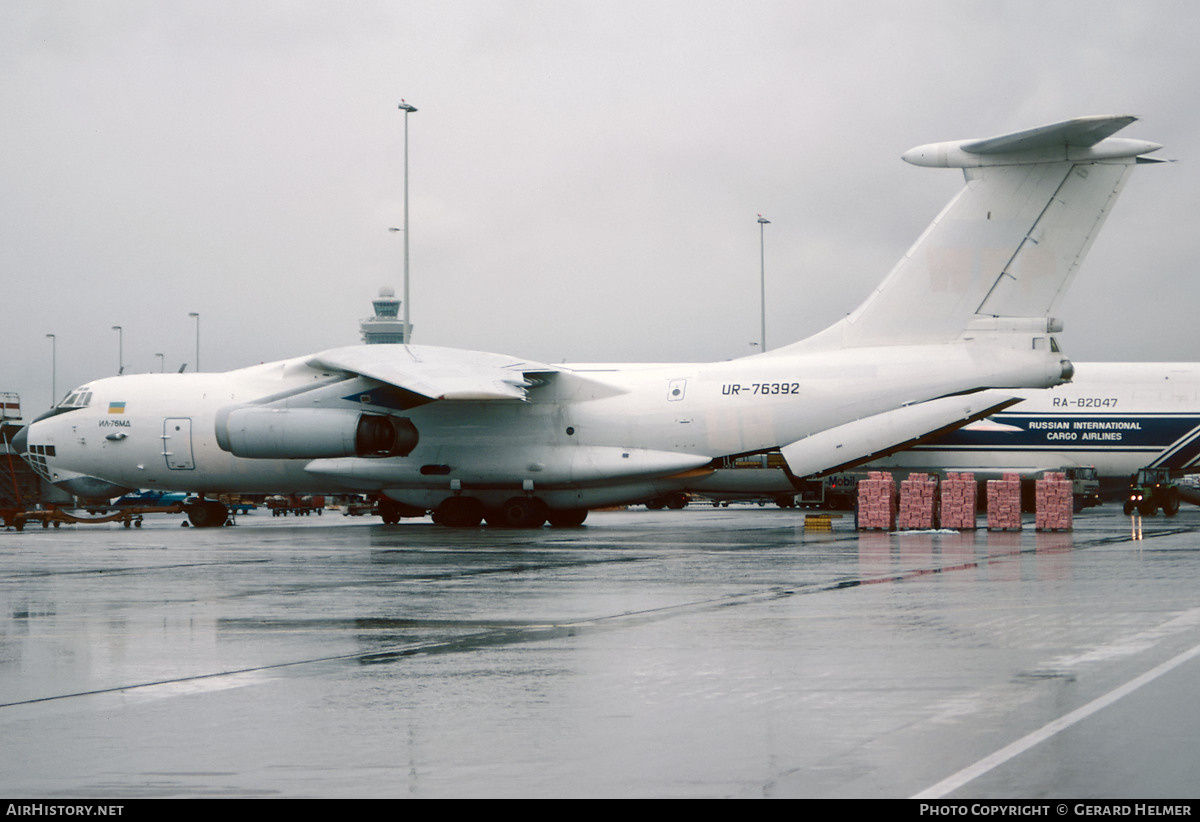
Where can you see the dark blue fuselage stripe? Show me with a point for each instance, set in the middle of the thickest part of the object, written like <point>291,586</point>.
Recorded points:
<point>1174,436</point>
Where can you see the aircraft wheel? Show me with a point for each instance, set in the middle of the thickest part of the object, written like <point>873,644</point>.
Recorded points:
<point>677,501</point>
<point>567,517</point>
<point>390,510</point>
<point>207,513</point>
<point>519,512</point>
<point>459,512</point>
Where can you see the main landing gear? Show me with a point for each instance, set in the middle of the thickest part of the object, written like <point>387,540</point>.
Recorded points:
<point>518,512</point>
<point>392,511</point>
<point>459,512</point>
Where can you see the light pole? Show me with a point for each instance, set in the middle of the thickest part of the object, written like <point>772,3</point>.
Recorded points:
<point>197,316</point>
<point>407,109</point>
<point>120,349</point>
<point>162,363</point>
<point>762,278</point>
<point>53,369</point>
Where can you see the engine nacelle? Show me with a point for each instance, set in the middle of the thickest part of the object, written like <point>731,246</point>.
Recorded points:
<point>313,433</point>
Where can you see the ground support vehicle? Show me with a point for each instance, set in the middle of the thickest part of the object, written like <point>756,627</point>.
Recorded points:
<point>129,516</point>
<point>1151,489</point>
<point>299,505</point>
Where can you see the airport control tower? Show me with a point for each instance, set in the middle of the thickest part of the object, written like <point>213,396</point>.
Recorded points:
<point>386,326</point>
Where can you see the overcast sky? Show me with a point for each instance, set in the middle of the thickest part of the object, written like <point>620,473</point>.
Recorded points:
<point>585,177</point>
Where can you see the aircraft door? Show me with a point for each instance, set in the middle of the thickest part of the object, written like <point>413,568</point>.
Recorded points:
<point>177,443</point>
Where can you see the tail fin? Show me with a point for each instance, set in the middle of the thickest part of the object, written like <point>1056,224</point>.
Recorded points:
<point>1009,244</point>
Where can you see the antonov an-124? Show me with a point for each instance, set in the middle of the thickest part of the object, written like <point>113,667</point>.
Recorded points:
<point>964,320</point>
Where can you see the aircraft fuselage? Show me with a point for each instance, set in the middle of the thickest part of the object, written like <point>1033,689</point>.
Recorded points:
<point>590,435</point>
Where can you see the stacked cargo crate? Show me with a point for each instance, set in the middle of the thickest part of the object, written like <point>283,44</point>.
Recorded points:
<point>918,502</point>
<point>1004,503</point>
<point>1054,502</point>
<point>877,501</point>
<point>959,500</point>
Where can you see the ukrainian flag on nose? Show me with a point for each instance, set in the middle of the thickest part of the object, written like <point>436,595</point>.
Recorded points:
<point>116,408</point>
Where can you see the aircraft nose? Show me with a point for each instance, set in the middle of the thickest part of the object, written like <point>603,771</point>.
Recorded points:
<point>20,442</point>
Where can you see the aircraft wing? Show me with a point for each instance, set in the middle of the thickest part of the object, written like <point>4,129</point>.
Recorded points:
<point>438,373</point>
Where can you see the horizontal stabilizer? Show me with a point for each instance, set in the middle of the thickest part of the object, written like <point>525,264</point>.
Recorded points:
<point>436,373</point>
<point>1084,138</point>
<point>1082,131</point>
<point>836,449</point>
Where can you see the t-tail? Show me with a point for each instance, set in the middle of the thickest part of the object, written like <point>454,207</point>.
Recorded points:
<point>968,314</point>
<point>1004,251</point>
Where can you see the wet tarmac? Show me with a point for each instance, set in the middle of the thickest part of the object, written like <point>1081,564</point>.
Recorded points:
<point>696,653</point>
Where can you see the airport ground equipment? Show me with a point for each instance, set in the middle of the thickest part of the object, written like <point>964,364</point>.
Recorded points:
<point>359,507</point>
<point>129,517</point>
<point>152,500</point>
<point>676,501</point>
<point>21,488</point>
<point>298,505</point>
<point>1085,486</point>
<point>1151,489</point>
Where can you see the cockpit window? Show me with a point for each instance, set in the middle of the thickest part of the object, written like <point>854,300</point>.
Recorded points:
<point>79,398</point>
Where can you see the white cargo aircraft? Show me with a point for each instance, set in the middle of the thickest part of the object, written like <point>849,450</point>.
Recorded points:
<point>470,435</point>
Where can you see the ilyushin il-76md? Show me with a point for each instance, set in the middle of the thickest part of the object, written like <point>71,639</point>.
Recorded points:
<point>967,313</point>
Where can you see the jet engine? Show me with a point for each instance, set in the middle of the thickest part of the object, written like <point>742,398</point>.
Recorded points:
<point>313,433</point>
